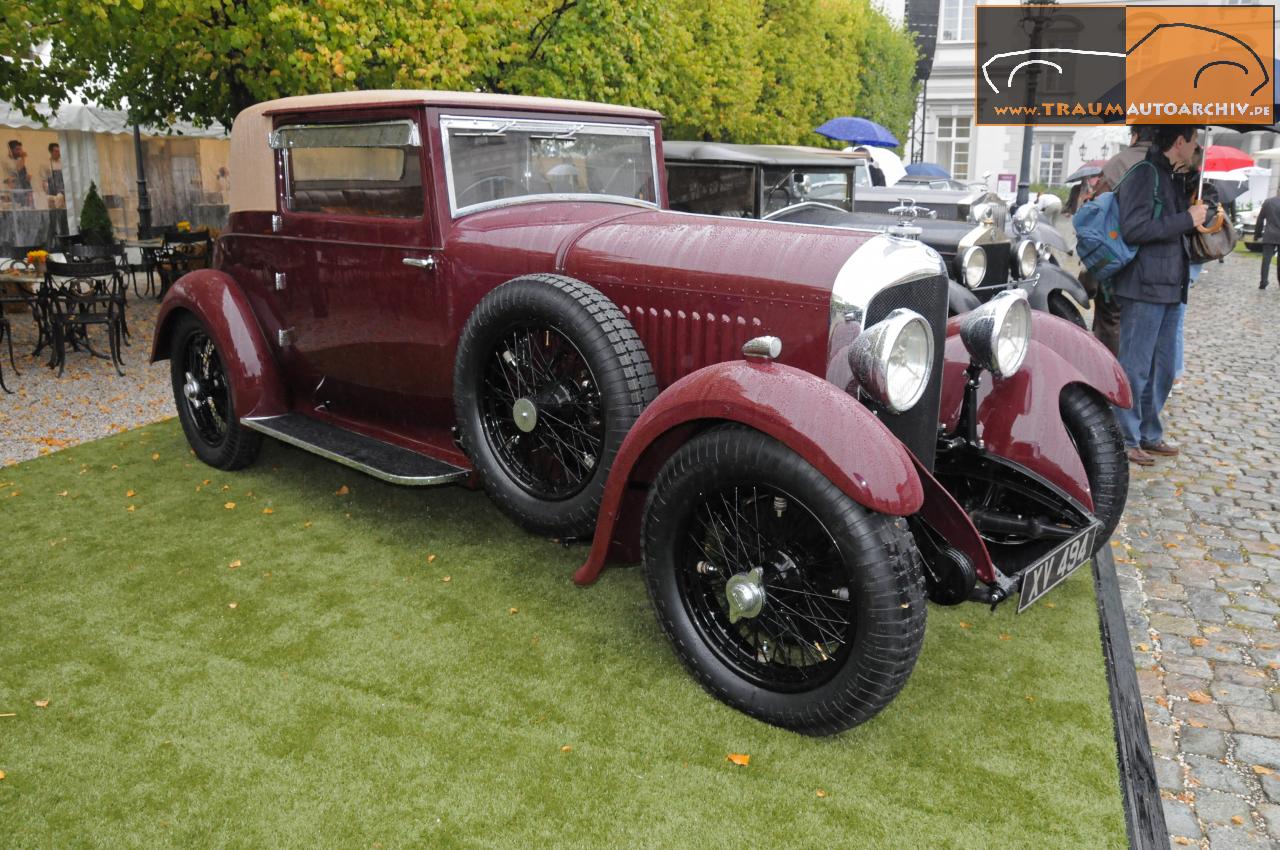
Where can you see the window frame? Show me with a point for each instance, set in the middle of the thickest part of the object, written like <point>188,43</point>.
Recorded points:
<point>960,7</point>
<point>448,121</point>
<point>284,171</point>
<point>951,140</point>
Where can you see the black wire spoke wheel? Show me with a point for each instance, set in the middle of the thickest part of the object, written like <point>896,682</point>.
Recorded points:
<point>205,389</point>
<point>203,394</point>
<point>549,378</point>
<point>543,415</point>
<point>781,595</point>
<point>766,587</point>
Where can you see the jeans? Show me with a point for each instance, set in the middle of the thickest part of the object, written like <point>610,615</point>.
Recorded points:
<point>1148,342</point>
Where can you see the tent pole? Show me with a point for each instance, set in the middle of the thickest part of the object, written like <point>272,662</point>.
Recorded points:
<point>144,202</point>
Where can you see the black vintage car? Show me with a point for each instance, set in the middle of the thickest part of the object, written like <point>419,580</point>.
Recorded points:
<point>970,228</point>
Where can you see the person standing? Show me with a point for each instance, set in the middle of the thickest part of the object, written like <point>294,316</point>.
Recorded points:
<point>1267,231</point>
<point>1155,219</point>
<point>1106,312</point>
<point>16,176</point>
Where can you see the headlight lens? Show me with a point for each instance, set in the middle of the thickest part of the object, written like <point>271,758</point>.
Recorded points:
<point>1027,256</point>
<point>998,333</point>
<point>893,359</point>
<point>973,265</point>
<point>1025,219</point>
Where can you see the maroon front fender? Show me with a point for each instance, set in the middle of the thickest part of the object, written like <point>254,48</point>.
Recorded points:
<point>216,300</point>
<point>825,426</point>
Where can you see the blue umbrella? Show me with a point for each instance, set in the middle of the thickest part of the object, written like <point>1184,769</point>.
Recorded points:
<point>858,131</point>
<point>927,169</point>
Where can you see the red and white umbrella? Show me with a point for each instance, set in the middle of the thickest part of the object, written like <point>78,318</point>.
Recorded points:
<point>1225,158</point>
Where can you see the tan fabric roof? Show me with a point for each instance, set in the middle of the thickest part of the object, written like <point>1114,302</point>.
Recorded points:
<point>252,165</point>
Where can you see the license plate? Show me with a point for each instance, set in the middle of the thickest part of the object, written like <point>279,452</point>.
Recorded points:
<point>1054,568</point>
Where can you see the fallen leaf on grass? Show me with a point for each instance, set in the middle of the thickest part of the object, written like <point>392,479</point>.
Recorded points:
<point>268,510</point>
<point>965,625</point>
<point>567,748</point>
<point>822,795</point>
<point>129,494</point>
<point>205,482</point>
<point>42,703</point>
<point>1200,697</point>
<point>1029,698</point>
<point>231,506</point>
<point>513,610</point>
<point>1006,637</point>
<point>131,508</point>
<point>447,579</point>
<point>234,564</point>
<point>155,455</point>
<point>342,491</point>
<point>430,558</point>
<point>233,605</point>
<point>1050,605</point>
<point>1262,770</point>
<point>307,524</point>
<point>740,759</point>
<point>10,714</point>
<point>63,493</point>
<point>1,774</point>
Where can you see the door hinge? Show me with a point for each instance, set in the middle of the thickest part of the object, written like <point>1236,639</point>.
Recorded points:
<point>286,337</point>
<point>280,281</point>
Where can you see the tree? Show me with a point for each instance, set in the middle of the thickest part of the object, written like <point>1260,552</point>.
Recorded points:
<point>729,70</point>
<point>95,223</point>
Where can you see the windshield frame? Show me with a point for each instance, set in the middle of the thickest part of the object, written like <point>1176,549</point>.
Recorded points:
<point>552,127</point>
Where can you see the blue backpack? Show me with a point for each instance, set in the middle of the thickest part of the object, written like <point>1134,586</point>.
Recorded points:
<point>1099,245</point>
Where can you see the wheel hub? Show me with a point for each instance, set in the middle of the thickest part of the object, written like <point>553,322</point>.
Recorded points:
<point>193,391</point>
<point>525,413</point>
<point>745,593</point>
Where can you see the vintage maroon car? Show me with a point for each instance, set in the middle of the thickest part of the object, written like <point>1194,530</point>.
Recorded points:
<point>437,287</point>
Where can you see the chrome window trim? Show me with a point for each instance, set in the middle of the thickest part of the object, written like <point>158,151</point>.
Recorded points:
<point>332,135</point>
<point>498,126</point>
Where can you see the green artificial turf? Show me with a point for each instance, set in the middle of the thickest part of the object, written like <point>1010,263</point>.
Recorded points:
<point>362,694</point>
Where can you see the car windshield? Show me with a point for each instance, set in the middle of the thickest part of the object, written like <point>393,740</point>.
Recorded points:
<point>786,186</point>
<point>492,161</point>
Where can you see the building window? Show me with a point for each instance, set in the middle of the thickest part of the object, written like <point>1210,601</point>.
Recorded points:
<point>952,145</point>
<point>1052,155</point>
<point>957,21</point>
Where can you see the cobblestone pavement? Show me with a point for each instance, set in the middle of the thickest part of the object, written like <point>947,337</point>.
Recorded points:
<point>1198,557</point>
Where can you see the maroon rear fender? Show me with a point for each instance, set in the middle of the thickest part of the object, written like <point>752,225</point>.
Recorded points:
<point>825,426</point>
<point>217,301</point>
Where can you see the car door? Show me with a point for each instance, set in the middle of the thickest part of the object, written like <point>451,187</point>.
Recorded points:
<point>363,315</point>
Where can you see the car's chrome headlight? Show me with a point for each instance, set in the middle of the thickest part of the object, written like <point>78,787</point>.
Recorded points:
<point>1026,218</point>
<point>1026,255</point>
<point>893,359</point>
<point>998,333</point>
<point>973,266</point>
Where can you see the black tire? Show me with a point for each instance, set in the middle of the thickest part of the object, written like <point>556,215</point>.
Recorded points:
<point>536,344</point>
<point>1060,305</point>
<point>207,412</point>
<point>1093,428</point>
<point>846,651</point>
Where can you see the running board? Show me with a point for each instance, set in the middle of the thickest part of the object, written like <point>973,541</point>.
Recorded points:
<point>370,456</point>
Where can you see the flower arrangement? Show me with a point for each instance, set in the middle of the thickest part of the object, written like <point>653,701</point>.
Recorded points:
<point>184,227</point>
<point>36,258</point>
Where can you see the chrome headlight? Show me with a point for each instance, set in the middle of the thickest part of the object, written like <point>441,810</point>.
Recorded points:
<point>1026,255</point>
<point>1026,218</point>
<point>893,359</point>
<point>973,266</point>
<point>998,333</point>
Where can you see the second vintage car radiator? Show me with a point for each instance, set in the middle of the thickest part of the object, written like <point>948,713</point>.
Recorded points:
<point>917,428</point>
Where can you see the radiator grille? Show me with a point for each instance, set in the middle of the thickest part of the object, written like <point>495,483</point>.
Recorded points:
<point>997,263</point>
<point>917,428</point>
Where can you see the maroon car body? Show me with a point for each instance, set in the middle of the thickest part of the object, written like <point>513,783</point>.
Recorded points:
<point>331,321</point>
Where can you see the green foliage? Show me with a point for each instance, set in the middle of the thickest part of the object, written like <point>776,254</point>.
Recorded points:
<point>95,223</point>
<point>732,70</point>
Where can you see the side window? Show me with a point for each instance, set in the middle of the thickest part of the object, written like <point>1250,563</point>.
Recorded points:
<point>352,169</point>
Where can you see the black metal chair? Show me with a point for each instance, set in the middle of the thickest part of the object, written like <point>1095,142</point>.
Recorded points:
<point>182,252</point>
<point>6,333</point>
<point>79,252</point>
<point>16,258</point>
<point>78,295</point>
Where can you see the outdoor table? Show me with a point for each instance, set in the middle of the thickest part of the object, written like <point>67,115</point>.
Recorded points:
<point>147,249</point>
<point>22,283</point>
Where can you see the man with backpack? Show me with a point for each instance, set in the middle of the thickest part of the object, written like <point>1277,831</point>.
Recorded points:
<point>1155,220</point>
<point>1106,312</point>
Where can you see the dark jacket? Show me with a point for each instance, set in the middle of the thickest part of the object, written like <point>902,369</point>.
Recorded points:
<point>1267,230</point>
<point>1159,272</point>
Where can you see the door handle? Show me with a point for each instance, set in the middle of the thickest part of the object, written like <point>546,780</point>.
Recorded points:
<point>421,262</point>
